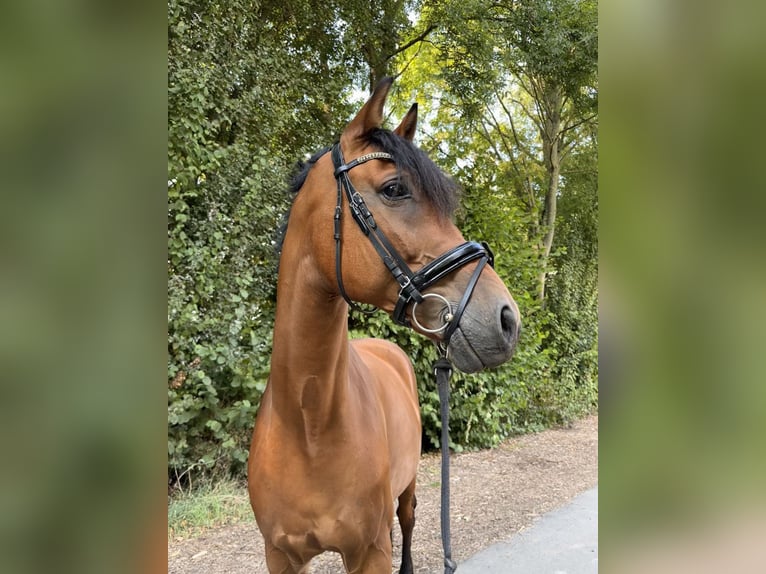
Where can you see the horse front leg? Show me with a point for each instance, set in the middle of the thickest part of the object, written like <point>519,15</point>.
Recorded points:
<point>278,562</point>
<point>374,559</point>
<point>406,514</point>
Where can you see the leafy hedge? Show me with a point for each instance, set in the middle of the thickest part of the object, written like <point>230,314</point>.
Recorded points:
<point>252,86</point>
<point>220,363</point>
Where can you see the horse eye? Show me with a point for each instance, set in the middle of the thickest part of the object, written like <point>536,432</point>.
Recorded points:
<point>395,191</point>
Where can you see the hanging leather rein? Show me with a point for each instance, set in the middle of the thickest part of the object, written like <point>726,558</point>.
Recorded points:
<point>411,287</point>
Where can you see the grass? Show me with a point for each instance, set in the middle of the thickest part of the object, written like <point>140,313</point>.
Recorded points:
<point>206,506</point>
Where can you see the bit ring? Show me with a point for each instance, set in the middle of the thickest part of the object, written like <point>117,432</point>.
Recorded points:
<point>447,318</point>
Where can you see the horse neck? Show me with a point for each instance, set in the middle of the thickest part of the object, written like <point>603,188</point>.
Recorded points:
<point>309,361</point>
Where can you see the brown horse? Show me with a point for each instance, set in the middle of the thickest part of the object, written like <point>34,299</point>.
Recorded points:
<point>337,437</point>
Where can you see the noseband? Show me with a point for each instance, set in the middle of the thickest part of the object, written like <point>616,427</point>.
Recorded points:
<point>411,284</point>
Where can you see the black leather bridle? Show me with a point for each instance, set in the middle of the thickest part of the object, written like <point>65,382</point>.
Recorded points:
<point>411,287</point>
<point>411,284</point>
<point>411,291</point>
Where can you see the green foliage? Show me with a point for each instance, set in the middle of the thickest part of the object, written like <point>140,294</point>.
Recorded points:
<point>554,39</point>
<point>233,133</point>
<point>573,289</point>
<point>255,85</point>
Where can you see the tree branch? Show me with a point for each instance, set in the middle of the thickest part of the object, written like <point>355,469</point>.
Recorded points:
<point>407,65</point>
<point>529,114</point>
<point>508,114</point>
<point>525,186</point>
<point>574,125</point>
<point>500,134</point>
<point>567,144</point>
<point>415,40</point>
<point>483,132</point>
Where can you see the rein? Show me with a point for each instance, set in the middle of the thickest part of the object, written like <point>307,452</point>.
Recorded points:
<point>411,285</point>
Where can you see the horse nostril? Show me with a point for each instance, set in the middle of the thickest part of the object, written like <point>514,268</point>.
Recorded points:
<point>508,324</point>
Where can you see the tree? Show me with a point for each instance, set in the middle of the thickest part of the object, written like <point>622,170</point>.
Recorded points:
<point>537,64</point>
<point>553,52</point>
<point>381,31</point>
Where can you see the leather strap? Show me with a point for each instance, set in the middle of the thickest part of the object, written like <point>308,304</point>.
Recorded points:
<point>464,301</point>
<point>437,270</point>
<point>410,284</point>
<point>443,372</point>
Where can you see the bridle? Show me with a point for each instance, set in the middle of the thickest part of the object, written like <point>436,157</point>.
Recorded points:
<point>411,284</point>
<point>411,287</point>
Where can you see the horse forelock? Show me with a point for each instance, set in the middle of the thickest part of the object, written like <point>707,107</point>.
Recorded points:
<point>438,188</point>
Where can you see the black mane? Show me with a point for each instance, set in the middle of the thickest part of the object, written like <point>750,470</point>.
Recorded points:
<point>297,179</point>
<point>301,171</point>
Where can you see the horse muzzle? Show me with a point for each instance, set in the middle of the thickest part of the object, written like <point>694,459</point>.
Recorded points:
<point>486,336</point>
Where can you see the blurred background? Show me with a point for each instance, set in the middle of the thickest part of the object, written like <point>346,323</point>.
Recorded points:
<point>87,228</point>
<point>82,282</point>
<point>682,287</point>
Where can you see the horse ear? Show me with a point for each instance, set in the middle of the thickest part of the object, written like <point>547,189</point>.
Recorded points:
<point>406,129</point>
<point>371,114</point>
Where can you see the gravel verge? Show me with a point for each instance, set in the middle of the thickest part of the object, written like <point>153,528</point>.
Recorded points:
<point>495,494</point>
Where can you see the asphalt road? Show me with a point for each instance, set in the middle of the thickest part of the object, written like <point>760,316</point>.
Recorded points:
<point>564,541</point>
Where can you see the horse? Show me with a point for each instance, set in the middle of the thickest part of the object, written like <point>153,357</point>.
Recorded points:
<point>338,433</point>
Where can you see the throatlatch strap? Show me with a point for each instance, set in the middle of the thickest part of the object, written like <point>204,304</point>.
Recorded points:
<point>443,371</point>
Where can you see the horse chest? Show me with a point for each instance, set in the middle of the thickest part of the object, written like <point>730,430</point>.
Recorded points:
<point>302,473</point>
<point>342,525</point>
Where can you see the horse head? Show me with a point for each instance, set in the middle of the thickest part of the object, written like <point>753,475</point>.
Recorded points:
<point>383,234</point>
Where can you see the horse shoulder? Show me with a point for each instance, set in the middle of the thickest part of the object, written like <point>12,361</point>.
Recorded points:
<point>393,380</point>
<point>388,362</point>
